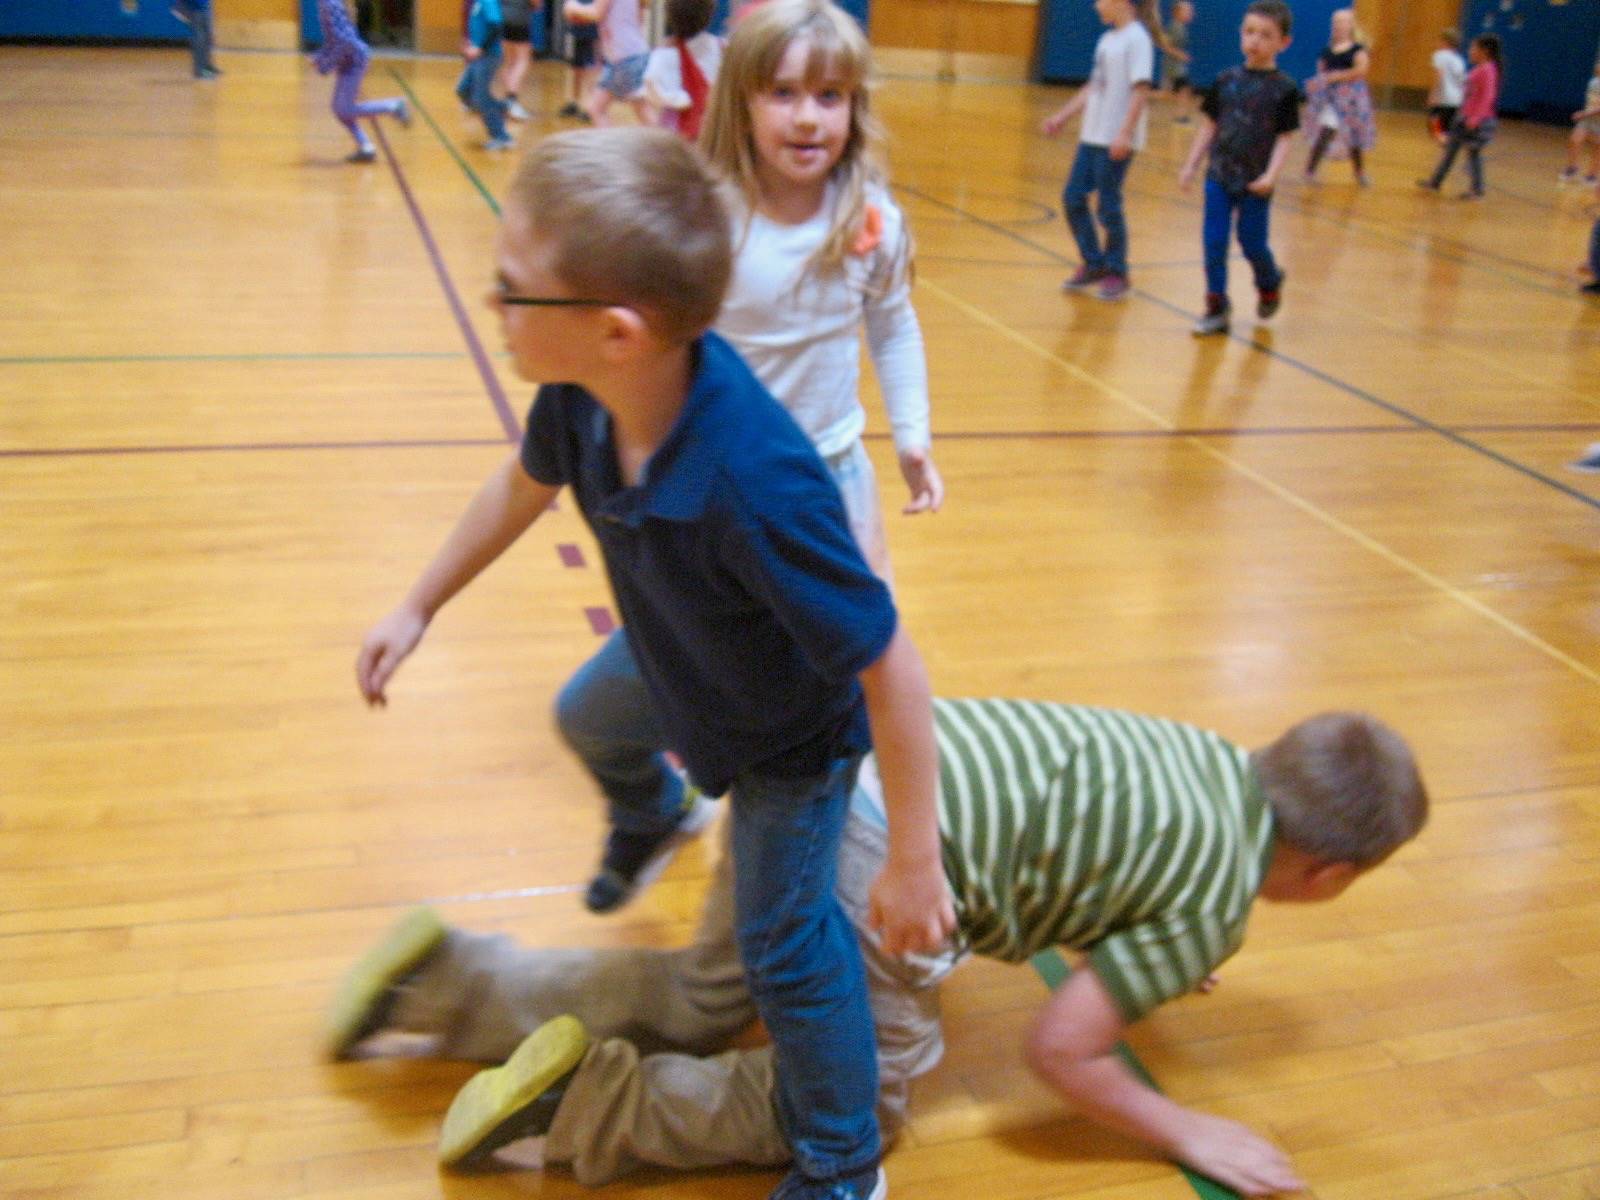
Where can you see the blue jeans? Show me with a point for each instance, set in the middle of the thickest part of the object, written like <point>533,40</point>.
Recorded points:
<point>474,90</point>
<point>1255,213</point>
<point>800,954</point>
<point>1094,171</point>
<point>1594,250</point>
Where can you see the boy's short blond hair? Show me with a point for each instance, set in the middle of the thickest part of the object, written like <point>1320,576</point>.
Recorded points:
<point>1344,788</point>
<point>635,218</point>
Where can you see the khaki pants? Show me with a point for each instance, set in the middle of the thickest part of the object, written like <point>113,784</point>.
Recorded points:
<point>653,1087</point>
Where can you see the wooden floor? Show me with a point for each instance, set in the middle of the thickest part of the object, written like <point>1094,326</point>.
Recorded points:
<point>237,413</point>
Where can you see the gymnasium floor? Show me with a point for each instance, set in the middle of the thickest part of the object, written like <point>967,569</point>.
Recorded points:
<point>239,409</point>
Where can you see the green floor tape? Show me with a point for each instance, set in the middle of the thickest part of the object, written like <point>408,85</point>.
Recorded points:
<point>1053,970</point>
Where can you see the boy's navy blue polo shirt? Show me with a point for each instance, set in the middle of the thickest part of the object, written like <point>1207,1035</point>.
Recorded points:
<point>746,601</point>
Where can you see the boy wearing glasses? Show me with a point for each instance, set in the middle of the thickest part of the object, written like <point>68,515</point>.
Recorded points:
<point>770,650</point>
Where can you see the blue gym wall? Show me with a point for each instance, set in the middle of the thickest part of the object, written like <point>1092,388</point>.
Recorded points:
<point>1549,51</point>
<point>1068,30</point>
<point>99,20</point>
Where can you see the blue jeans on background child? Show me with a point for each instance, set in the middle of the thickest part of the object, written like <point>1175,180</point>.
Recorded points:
<point>475,92</point>
<point>800,953</point>
<point>1255,213</point>
<point>1095,171</point>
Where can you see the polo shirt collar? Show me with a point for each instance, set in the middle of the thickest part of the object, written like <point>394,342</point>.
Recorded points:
<point>677,479</point>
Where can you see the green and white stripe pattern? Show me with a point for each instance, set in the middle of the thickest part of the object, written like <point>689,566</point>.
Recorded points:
<point>1139,840</point>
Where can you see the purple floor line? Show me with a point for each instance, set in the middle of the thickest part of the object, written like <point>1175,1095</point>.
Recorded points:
<point>600,620</point>
<point>571,556</point>
<point>491,382</point>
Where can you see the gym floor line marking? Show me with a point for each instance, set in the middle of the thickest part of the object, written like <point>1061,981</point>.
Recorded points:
<point>1310,509</point>
<point>249,447</point>
<point>491,381</point>
<point>57,360</point>
<point>1053,969</point>
<point>963,435</point>
<point>1333,381</point>
<point>427,116</point>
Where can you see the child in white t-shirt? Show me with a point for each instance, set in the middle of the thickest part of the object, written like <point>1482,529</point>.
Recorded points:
<point>1585,133</point>
<point>683,69</point>
<point>1450,77</point>
<point>1113,105</point>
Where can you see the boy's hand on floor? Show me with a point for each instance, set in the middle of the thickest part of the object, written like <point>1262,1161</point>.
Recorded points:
<point>1235,1155</point>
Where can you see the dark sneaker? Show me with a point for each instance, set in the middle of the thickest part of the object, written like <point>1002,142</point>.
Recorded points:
<point>362,154</point>
<point>631,861</point>
<point>1269,300</point>
<point>366,995</point>
<point>1589,464</point>
<point>1082,279</point>
<point>519,1100</point>
<point>868,1184</point>
<point>1591,288</point>
<point>1216,318</point>
<point>1113,287</point>
<point>569,109</point>
<point>403,114</point>
<point>1428,185</point>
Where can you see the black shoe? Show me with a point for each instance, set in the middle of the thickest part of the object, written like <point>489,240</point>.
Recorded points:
<point>1591,289</point>
<point>1268,300</point>
<point>1216,318</point>
<point>632,860</point>
<point>570,109</point>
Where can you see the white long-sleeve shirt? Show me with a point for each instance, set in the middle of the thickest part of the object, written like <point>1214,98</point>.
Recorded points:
<point>800,330</point>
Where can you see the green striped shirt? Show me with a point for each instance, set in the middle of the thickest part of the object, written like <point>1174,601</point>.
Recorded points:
<point>1138,840</point>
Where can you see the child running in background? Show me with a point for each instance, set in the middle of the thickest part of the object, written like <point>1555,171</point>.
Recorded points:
<point>517,28</point>
<point>1475,124</point>
<point>623,50</point>
<point>1175,61</point>
<point>822,249</point>
<point>1339,116</point>
<point>682,72</point>
<point>482,50</point>
<point>1449,76</point>
<point>344,53</point>
<point>1586,133</point>
<point>1251,113</point>
<point>584,36</point>
<point>196,14</point>
<point>1113,104</point>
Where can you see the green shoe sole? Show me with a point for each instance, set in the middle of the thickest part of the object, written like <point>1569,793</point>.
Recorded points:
<point>502,1104</point>
<point>363,997</point>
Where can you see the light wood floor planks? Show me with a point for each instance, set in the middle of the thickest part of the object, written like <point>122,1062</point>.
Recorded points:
<point>236,414</point>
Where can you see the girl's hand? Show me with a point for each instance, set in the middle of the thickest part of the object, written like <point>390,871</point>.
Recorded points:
<point>1235,1155</point>
<point>1053,124</point>
<point>1185,178</point>
<point>922,477</point>
<point>1262,185</point>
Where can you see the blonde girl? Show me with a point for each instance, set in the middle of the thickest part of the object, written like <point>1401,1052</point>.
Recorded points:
<point>821,248</point>
<point>1339,114</point>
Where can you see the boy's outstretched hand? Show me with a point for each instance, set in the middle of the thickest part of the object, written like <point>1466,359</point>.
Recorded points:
<point>922,477</point>
<point>1235,1155</point>
<point>383,650</point>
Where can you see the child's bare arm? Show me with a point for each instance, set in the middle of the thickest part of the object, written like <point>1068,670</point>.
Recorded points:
<point>508,502</point>
<point>1203,137</point>
<point>910,904</point>
<point>1056,121</point>
<point>1071,1048</point>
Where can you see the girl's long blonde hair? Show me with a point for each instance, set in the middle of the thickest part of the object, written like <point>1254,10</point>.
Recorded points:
<point>837,51</point>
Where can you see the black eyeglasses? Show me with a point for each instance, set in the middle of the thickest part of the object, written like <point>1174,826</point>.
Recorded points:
<point>504,295</point>
<point>552,301</point>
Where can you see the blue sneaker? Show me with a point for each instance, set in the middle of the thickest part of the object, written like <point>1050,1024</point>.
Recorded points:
<point>869,1183</point>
